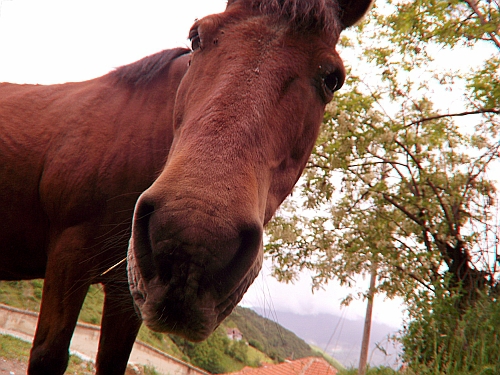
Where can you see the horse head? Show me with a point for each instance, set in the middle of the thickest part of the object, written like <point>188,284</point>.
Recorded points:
<point>246,117</point>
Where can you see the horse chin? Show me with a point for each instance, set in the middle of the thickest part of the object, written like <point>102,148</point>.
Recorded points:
<point>161,312</point>
<point>186,310</point>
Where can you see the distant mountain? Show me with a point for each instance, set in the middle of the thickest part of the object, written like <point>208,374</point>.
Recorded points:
<point>339,337</point>
<point>269,337</point>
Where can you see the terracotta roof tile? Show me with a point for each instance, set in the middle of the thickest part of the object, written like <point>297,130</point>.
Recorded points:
<point>303,366</point>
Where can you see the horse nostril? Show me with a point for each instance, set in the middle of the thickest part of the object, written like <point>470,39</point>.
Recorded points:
<point>141,239</point>
<point>251,237</point>
<point>245,260</point>
<point>250,245</point>
<point>143,209</point>
<point>141,226</point>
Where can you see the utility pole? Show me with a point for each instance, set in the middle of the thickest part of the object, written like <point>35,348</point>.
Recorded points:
<point>363,358</point>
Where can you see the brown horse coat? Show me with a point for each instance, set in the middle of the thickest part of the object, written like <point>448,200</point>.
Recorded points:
<point>73,160</point>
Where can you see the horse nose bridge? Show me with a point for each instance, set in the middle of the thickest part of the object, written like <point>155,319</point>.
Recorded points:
<point>219,181</point>
<point>194,212</point>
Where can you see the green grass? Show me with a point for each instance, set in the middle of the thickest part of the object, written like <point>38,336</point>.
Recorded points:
<point>13,348</point>
<point>148,370</point>
<point>257,357</point>
<point>22,294</point>
<point>230,364</point>
<point>382,370</point>
<point>92,307</point>
<point>160,341</point>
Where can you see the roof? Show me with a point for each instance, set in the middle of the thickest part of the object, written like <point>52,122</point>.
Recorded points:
<point>303,366</point>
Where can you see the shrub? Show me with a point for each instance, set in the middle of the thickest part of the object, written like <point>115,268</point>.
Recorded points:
<point>442,339</point>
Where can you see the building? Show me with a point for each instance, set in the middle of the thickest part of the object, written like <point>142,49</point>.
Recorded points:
<point>234,334</point>
<point>303,366</point>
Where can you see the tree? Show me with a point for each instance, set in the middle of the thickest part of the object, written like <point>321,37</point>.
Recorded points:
<point>396,178</point>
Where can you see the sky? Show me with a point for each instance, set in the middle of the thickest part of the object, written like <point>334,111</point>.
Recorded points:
<point>48,42</point>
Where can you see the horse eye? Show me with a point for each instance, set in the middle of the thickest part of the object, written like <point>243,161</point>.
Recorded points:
<point>332,82</point>
<point>194,36</point>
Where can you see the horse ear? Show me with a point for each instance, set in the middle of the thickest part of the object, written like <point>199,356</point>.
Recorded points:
<point>351,11</point>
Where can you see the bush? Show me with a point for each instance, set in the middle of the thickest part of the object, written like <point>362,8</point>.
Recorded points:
<point>239,351</point>
<point>441,339</point>
<point>209,354</point>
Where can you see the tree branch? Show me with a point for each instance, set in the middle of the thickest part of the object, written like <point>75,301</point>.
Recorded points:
<point>414,277</point>
<point>479,111</point>
<point>432,186</point>
<point>402,209</point>
<point>489,156</point>
<point>482,19</point>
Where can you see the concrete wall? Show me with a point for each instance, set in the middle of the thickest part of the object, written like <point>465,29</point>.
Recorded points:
<point>22,324</point>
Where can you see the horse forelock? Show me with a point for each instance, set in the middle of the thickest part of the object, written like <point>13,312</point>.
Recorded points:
<point>146,70</point>
<point>311,16</point>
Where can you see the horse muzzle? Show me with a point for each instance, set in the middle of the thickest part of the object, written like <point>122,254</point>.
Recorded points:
<point>188,266</point>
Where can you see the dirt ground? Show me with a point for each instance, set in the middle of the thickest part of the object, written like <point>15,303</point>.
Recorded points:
<point>15,367</point>
<point>12,367</point>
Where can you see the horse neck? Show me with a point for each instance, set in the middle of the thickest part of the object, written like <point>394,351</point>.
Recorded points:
<point>146,111</point>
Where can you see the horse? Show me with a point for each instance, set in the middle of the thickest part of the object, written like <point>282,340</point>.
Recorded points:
<point>175,162</point>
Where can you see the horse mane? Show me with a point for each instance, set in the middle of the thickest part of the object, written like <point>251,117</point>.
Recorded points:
<point>144,71</point>
<point>312,16</point>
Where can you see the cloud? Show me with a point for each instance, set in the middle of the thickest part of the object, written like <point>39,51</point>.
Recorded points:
<point>58,41</point>
<point>269,294</point>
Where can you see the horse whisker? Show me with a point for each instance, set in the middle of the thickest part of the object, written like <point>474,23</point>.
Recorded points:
<point>113,267</point>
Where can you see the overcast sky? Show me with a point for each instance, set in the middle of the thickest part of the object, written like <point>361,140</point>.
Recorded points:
<point>50,42</point>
